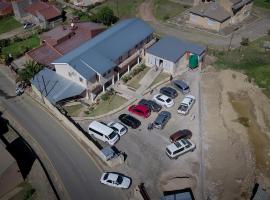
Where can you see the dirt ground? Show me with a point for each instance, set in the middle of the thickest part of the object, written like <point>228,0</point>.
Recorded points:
<point>236,135</point>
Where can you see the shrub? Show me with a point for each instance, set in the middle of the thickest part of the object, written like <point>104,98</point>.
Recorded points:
<point>5,42</point>
<point>126,78</point>
<point>245,41</point>
<point>166,17</point>
<point>105,96</point>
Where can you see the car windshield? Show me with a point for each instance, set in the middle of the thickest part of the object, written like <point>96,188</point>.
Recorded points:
<point>123,129</point>
<point>178,144</point>
<point>112,135</point>
<point>168,100</point>
<point>115,129</point>
<point>183,107</point>
<point>119,179</point>
<point>169,152</point>
<point>106,176</point>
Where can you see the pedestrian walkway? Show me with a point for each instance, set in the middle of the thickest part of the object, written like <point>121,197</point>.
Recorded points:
<point>147,80</point>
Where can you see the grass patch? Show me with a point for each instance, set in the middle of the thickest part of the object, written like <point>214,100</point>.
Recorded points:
<point>134,82</point>
<point>27,192</point>
<point>74,110</point>
<point>121,8</point>
<point>262,3</point>
<point>8,24</point>
<point>162,76</point>
<point>17,49</point>
<point>252,60</point>
<point>104,107</point>
<point>166,9</point>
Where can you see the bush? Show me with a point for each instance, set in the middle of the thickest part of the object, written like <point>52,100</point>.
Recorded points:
<point>17,39</point>
<point>126,78</point>
<point>5,42</point>
<point>166,17</point>
<point>105,96</point>
<point>245,42</point>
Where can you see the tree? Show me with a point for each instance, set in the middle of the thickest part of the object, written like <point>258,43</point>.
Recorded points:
<point>106,16</point>
<point>31,68</point>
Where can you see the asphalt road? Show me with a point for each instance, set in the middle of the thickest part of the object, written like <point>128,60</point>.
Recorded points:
<point>78,173</point>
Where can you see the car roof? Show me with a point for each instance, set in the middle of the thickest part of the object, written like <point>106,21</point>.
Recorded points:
<point>179,133</point>
<point>117,125</point>
<point>187,99</point>
<point>164,97</point>
<point>172,147</point>
<point>168,88</point>
<point>112,176</point>
<point>180,82</point>
<point>141,107</point>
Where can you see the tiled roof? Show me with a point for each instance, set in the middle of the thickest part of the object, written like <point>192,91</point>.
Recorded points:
<point>172,49</point>
<point>101,52</point>
<point>44,9</point>
<point>211,10</point>
<point>50,51</point>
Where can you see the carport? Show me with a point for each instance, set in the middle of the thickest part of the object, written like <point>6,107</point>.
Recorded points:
<point>171,53</point>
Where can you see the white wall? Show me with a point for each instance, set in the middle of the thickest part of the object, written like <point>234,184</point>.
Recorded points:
<point>68,72</point>
<point>152,60</point>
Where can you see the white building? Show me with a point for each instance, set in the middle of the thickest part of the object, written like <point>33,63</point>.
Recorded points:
<point>170,53</point>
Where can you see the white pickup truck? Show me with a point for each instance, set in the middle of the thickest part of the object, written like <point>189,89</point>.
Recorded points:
<point>186,105</point>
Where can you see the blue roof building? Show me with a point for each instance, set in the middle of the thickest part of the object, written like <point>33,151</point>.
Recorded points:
<point>169,52</point>
<point>101,54</point>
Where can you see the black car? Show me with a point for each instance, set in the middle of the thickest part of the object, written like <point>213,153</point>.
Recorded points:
<point>169,92</point>
<point>129,120</point>
<point>150,104</point>
<point>162,119</point>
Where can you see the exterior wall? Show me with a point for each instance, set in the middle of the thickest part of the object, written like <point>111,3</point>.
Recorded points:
<point>242,14</point>
<point>225,24</point>
<point>204,22</point>
<point>152,61</point>
<point>19,6</point>
<point>68,72</point>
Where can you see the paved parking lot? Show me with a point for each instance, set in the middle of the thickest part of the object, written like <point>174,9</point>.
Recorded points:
<point>146,159</point>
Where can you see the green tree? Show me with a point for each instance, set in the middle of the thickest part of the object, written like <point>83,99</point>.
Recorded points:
<point>31,68</point>
<point>106,16</point>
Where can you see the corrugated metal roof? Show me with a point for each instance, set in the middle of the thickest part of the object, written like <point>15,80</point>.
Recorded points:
<point>58,87</point>
<point>172,49</point>
<point>102,51</point>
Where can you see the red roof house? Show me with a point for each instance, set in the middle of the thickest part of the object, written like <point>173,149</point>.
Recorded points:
<point>5,8</point>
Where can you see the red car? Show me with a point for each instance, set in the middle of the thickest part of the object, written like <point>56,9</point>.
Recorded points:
<point>140,110</point>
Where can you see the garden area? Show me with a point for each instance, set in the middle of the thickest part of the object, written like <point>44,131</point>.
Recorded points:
<point>262,3</point>
<point>167,9</point>
<point>106,103</point>
<point>251,58</point>
<point>18,46</point>
<point>121,8</point>
<point>8,23</point>
<point>133,78</point>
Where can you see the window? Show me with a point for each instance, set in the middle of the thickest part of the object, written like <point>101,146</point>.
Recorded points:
<point>210,22</point>
<point>98,133</point>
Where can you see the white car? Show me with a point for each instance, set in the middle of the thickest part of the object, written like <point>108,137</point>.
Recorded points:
<point>115,180</point>
<point>179,148</point>
<point>186,105</point>
<point>163,100</point>
<point>118,127</point>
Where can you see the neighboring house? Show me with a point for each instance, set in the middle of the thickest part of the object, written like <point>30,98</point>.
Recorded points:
<point>40,13</point>
<point>171,53</point>
<point>5,8</point>
<point>101,61</point>
<point>44,15</point>
<point>85,2</point>
<point>62,39</point>
<point>218,15</point>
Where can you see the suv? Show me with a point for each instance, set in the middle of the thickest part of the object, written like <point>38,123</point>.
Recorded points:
<point>129,120</point>
<point>163,100</point>
<point>186,105</point>
<point>168,91</point>
<point>181,86</point>
<point>140,110</point>
<point>162,119</point>
<point>179,148</point>
<point>180,135</point>
<point>152,105</point>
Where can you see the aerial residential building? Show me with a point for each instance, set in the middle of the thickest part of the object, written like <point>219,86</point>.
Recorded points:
<point>62,39</point>
<point>220,14</point>
<point>39,13</point>
<point>5,8</point>
<point>102,60</point>
<point>172,54</point>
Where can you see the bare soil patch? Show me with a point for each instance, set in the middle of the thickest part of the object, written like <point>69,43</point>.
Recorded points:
<point>236,135</point>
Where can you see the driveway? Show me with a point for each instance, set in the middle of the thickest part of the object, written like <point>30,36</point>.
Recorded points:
<point>146,159</point>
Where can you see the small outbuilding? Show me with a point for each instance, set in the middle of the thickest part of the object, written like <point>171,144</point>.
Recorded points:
<point>171,53</point>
